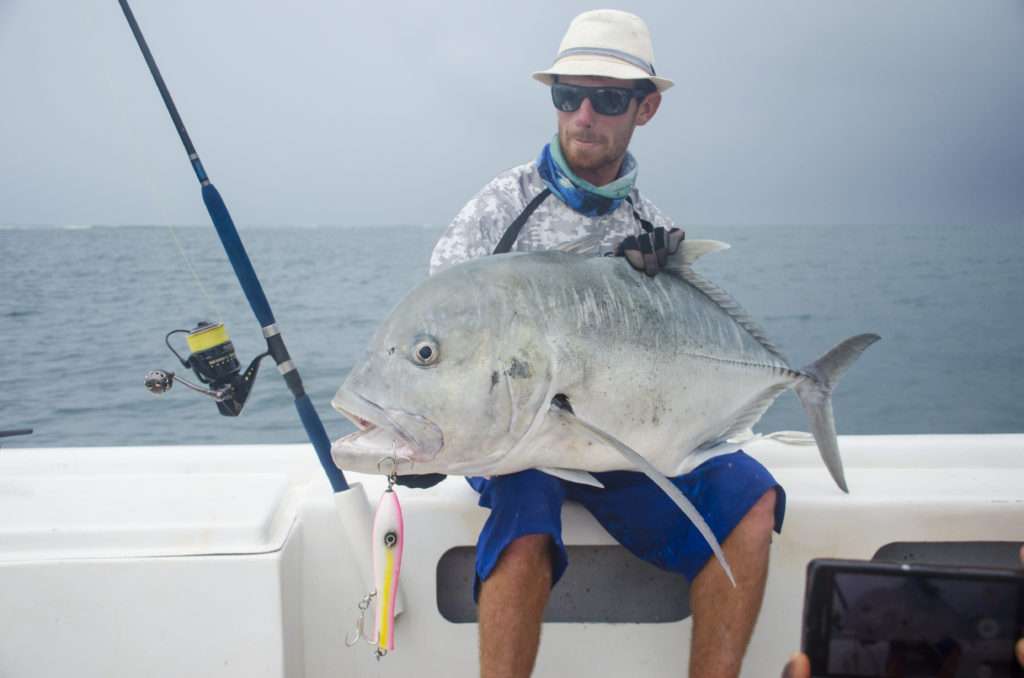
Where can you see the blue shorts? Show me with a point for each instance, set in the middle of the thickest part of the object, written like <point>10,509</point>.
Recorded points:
<point>630,506</point>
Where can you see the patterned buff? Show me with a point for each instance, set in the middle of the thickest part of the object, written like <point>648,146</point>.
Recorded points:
<point>581,195</point>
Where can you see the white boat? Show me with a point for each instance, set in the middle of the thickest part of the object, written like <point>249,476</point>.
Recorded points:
<point>239,561</point>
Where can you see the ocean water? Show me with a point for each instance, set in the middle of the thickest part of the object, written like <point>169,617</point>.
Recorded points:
<point>84,312</point>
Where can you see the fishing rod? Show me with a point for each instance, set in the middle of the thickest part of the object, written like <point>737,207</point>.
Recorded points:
<point>213,356</point>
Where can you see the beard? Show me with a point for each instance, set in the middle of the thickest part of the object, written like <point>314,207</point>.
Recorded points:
<point>588,153</point>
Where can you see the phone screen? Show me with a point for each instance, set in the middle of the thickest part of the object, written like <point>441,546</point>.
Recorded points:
<point>910,625</point>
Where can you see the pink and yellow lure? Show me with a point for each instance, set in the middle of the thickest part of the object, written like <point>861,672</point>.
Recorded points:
<point>388,539</point>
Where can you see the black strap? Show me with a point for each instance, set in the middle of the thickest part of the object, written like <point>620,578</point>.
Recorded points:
<point>512,232</point>
<point>648,226</point>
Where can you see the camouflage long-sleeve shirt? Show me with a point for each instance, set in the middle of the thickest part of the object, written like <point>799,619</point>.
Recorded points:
<point>478,228</point>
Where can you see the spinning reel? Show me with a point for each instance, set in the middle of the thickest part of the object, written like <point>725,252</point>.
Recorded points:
<point>214,363</point>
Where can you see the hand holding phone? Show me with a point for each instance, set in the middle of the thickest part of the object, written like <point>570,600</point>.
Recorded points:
<point>873,619</point>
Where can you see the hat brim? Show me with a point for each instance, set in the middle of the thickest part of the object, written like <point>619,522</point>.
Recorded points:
<point>599,66</point>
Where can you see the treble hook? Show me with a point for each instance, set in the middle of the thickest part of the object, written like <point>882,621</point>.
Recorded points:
<point>359,632</point>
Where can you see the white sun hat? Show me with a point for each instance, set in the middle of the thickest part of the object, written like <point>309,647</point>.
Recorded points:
<point>608,43</point>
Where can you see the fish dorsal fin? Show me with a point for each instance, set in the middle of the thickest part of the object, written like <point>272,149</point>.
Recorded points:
<point>692,250</point>
<point>681,264</point>
<point>588,245</point>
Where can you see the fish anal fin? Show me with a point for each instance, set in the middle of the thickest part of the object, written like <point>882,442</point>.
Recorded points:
<point>747,416</point>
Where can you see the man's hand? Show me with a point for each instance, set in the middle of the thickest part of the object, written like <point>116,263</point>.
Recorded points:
<point>798,666</point>
<point>421,481</point>
<point>649,251</point>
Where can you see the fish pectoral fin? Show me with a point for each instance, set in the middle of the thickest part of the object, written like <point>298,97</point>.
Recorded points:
<point>573,476</point>
<point>568,418</point>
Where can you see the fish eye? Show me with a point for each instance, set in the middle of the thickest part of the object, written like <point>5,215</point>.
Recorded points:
<point>426,351</point>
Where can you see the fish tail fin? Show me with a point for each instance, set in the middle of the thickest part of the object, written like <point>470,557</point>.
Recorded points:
<point>815,393</point>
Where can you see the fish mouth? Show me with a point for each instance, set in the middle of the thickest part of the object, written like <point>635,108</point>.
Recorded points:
<point>384,435</point>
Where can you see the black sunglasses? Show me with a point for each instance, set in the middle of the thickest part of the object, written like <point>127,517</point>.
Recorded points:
<point>605,100</point>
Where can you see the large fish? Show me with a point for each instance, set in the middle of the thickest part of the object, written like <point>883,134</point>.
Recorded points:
<point>573,364</point>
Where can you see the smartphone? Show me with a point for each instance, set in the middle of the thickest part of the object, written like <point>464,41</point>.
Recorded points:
<point>875,619</point>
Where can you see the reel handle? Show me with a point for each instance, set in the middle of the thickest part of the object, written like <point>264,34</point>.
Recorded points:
<point>159,382</point>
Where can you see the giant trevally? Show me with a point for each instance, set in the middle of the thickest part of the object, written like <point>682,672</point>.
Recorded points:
<point>572,364</point>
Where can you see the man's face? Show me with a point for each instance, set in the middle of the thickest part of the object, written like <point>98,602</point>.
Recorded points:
<point>594,144</point>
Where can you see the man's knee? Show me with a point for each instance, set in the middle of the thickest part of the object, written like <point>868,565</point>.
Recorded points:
<point>760,519</point>
<point>530,554</point>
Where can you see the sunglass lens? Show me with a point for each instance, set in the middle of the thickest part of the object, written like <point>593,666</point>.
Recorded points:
<point>566,97</point>
<point>610,101</point>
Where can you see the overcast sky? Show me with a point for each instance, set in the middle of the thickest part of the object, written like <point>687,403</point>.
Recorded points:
<point>355,113</point>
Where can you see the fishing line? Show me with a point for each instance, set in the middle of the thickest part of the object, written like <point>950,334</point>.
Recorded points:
<point>161,207</point>
<point>197,280</point>
<point>195,274</point>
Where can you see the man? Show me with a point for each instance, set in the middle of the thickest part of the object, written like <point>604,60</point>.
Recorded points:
<point>604,85</point>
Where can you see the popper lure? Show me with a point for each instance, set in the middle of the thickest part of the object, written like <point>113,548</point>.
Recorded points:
<point>388,540</point>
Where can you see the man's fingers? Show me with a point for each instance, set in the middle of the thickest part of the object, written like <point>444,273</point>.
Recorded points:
<point>649,252</point>
<point>659,246</point>
<point>651,264</point>
<point>635,259</point>
<point>799,666</point>
<point>673,239</point>
<point>650,258</point>
<point>628,243</point>
<point>645,243</point>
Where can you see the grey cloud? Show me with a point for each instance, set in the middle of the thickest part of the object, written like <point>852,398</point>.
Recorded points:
<point>377,113</point>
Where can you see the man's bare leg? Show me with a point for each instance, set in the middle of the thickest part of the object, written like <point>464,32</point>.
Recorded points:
<point>511,607</point>
<point>723,616</point>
